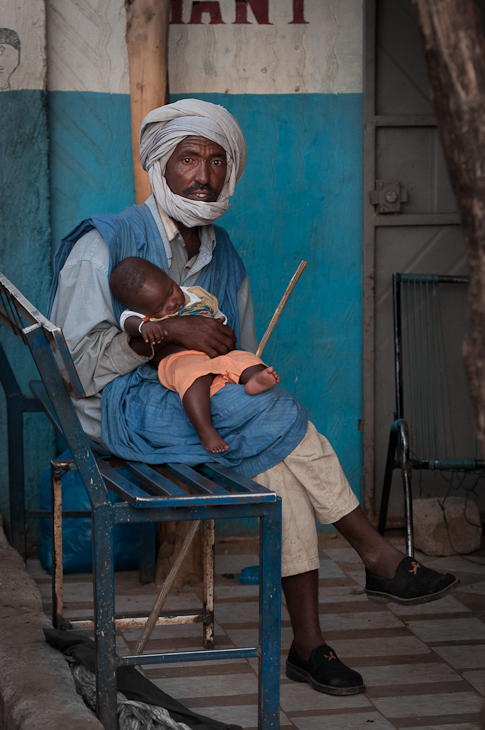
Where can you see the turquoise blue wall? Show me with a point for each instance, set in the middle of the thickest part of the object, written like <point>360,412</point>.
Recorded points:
<point>300,198</point>
<point>91,159</point>
<point>25,256</point>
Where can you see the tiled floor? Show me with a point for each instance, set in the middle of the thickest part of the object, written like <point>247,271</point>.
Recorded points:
<point>423,666</point>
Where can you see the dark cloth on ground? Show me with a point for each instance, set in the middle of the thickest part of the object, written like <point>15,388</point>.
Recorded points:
<point>130,682</point>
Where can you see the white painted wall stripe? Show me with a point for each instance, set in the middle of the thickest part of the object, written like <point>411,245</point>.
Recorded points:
<point>23,68</point>
<point>322,56</point>
<point>87,49</point>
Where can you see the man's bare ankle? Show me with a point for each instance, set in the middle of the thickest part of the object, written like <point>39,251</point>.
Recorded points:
<point>384,567</point>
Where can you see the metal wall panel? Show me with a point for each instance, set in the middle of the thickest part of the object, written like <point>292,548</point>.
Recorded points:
<point>402,85</point>
<point>414,157</point>
<point>402,145</point>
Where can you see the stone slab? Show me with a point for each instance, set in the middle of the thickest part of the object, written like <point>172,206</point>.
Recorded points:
<point>456,629</point>
<point>399,674</point>
<point>448,604</point>
<point>213,686</point>
<point>243,715</point>
<point>463,657</point>
<point>457,564</point>
<point>451,703</point>
<point>36,685</point>
<point>294,696</point>
<point>343,722</point>
<point>329,569</point>
<point>446,527</point>
<point>453,726</point>
<point>359,621</point>
<point>477,679</point>
<point>477,588</point>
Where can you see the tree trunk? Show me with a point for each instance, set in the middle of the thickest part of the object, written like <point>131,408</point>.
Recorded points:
<point>147,41</point>
<point>454,48</point>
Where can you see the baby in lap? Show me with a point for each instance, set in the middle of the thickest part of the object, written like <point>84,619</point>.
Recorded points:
<point>151,296</point>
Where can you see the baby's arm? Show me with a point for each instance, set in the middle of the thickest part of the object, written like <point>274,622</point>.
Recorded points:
<point>136,325</point>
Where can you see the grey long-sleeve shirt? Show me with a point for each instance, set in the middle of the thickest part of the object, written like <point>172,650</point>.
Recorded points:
<point>82,308</point>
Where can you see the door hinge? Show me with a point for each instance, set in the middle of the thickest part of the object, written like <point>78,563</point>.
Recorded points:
<point>388,196</point>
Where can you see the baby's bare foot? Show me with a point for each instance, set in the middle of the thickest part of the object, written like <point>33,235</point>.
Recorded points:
<point>264,380</point>
<point>214,443</point>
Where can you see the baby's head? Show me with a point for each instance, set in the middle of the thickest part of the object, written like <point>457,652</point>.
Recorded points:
<point>143,287</point>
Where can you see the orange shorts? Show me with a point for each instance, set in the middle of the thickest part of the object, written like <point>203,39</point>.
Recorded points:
<point>178,371</point>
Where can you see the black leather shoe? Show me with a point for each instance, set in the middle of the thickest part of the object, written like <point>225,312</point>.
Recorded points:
<point>324,672</point>
<point>412,584</point>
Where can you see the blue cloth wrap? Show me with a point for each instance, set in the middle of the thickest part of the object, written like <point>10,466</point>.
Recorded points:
<point>142,420</point>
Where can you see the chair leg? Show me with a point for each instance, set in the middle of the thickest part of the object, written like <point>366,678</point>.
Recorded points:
<point>408,509</point>
<point>386,489</point>
<point>269,619</point>
<point>57,570</point>
<point>406,471</point>
<point>208,577</point>
<point>104,618</point>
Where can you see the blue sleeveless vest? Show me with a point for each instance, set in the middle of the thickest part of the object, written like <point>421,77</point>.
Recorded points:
<point>135,233</point>
<point>142,420</point>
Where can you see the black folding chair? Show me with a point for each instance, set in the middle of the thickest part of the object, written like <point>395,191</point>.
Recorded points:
<point>430,404</point>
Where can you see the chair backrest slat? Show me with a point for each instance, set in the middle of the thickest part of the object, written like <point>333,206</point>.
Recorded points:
<point>14,305</point>
<point>17,313</point>
<point>57,392</point>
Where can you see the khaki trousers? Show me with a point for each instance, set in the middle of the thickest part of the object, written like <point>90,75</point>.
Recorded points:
<point>312,486</point>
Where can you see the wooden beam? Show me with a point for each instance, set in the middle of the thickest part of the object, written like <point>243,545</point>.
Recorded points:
<point>147,24</point>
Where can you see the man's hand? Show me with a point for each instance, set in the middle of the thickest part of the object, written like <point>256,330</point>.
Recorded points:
<point>200,333</point>
<point>193,333</point>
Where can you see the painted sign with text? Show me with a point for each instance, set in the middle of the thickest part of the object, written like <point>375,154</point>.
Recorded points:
<point>265,46</point>
<point>210,11</point>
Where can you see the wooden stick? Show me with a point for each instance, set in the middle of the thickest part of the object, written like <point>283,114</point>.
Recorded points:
<point>162,596</point>
<point>147,24</point>
<point>280,307</point>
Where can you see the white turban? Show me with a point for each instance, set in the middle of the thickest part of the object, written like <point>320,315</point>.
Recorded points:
<point>164,128</point>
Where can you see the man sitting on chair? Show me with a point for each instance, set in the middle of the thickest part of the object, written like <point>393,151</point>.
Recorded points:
<point>195,153</point>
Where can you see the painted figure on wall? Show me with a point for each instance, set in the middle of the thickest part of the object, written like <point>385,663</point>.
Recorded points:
<point>9,56</point>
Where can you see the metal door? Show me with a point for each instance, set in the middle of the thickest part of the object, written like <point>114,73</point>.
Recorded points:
<point>410,219</point>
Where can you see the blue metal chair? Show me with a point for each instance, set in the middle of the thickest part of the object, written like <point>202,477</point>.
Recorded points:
<point>204,493</point>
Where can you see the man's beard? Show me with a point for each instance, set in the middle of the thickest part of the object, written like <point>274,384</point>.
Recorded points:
<point>197,188</point>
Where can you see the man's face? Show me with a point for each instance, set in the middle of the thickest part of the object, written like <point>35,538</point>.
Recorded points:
<point>197,169</point>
